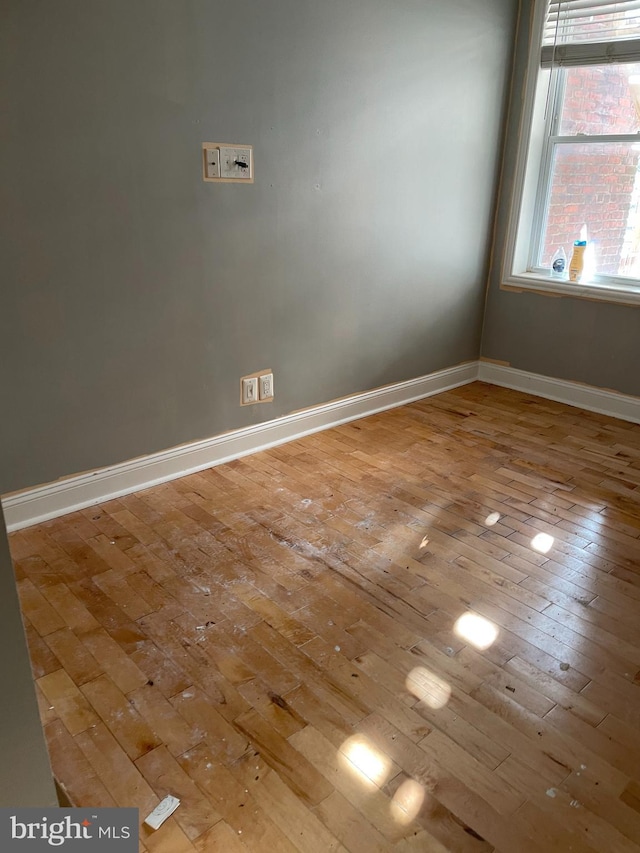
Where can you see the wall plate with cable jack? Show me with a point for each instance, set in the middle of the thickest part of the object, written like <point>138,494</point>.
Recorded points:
<point>211,163</point>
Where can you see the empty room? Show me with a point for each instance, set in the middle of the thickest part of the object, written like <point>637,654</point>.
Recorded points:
<point>320,443</point>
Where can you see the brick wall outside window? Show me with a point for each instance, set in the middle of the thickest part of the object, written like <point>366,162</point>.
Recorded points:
<point>594,184</point>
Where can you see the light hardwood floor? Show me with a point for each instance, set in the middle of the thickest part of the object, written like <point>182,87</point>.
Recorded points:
<point>274,640</point>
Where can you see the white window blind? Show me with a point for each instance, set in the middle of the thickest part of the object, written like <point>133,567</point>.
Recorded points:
<point>590,32</point>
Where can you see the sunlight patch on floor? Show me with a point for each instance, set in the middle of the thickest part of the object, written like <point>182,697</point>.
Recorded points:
<point>477,630</point>
<point>368,763</point>
<point>428,687</point>
<point>542,543</point>
<point>407,802</point>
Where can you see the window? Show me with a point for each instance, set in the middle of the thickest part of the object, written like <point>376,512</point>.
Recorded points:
<point>579,167</point>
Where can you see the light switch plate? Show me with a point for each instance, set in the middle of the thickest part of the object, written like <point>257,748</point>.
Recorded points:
<point>249,390</point>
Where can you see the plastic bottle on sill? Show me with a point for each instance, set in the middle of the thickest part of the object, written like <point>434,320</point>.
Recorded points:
<point>559,264</point>
<point>576,266</point>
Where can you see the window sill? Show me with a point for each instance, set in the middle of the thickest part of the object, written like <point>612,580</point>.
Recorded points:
<point>625,295</point>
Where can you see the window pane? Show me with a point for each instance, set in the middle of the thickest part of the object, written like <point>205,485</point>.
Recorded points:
<point>601,99</point>
<point>597,185</point>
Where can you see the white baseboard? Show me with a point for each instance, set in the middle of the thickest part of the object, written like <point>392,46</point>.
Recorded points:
<point>41,503</point>
<point>31,506</point>
<point>562,391</point>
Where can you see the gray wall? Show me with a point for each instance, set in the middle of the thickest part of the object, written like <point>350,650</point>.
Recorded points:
<point>135,296</point>
<point>25,775</point>
<point>592,342</point>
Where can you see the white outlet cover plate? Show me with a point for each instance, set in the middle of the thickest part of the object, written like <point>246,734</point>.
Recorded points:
<point>265,386</point>
<point>229,159</point>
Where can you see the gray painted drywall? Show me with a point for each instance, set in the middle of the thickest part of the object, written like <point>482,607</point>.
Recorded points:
<point>135,295</point>
<point>25,774</point>
<point>575,339</point>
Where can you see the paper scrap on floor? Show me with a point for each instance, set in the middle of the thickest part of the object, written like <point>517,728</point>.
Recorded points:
<point>162,811</point>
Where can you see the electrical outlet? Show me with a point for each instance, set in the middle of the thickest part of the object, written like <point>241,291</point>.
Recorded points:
<point>265,386</point>
<point>211,163</point>
<point>236,163</point>
<point>249,390</point>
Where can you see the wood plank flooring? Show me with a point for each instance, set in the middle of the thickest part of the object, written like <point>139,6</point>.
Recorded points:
<point>276,641</point>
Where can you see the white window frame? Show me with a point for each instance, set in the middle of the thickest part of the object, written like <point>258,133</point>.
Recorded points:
<point>526,211</point>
